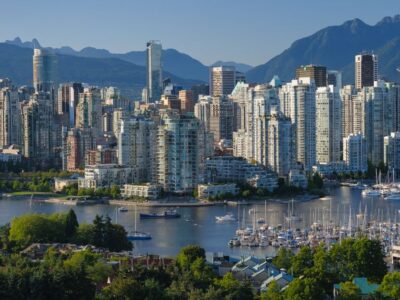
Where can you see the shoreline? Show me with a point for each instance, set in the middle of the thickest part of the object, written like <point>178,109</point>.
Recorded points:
<point>164,203</point>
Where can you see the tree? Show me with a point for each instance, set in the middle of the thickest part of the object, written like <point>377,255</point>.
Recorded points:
<point>390,285</point>
<point>283,259</point>
<point>273,292</point>
<point>28,229</point>
<point>304,289</point>
<point>302,261</point>
<point>187,255</point>
<point>115,191</point>
<point>349,291</point>
<point>71,224</point>
<point>233,289</point>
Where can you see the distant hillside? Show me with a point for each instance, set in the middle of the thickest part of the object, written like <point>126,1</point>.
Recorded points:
<point>335,48</point>
<point>175,62</point>
<point>239,66</point>
<point>16,63</point>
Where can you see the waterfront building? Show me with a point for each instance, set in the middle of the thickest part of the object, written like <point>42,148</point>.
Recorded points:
<point>206,191</point>
<point>147,191</point>
<point>280,155</point>
<point>316,73</point>
<point>297,102</point>
<point>154,71</point>
<point>328,124</point>
<point>297,178</point>
<point>366,70</point>
<point>392,151</point>
<point>181,149</point>
<point>137,147</point>
<point>355,153</point>
<point>106,175</point>
<point>237,169</point>
<point>10,117</point>
<point>222,80</point>
<point>370,119</point>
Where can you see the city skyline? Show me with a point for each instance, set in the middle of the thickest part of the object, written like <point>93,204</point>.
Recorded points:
<point>207,23</point>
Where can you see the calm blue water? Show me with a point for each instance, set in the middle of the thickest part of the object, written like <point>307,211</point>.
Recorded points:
<point>198,226</point>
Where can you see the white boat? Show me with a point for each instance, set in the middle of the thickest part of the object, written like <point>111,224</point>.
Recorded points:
<point>234,242</point>
<point>226,218</point>
<point>122,209</point>
<point>371,193</point>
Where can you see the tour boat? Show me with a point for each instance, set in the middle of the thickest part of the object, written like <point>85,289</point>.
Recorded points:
<point>168,214</point>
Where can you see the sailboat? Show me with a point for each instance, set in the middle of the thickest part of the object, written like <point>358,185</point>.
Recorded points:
<point>138,235</point>
<point>292,217</point>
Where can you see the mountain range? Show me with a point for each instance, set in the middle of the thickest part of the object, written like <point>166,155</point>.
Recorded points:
<point>333,47</point>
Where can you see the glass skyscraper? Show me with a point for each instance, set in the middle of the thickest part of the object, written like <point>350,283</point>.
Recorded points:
<point>44,70</point>
<point>154,71</point>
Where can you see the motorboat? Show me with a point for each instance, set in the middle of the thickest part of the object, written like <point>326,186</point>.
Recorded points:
<point>122,209</point>
<point>371,193</point>
<point>226,218</point>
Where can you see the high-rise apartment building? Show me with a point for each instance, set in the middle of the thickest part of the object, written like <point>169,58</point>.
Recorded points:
<point>136,147</point>
<point>355,153</point>
<point>334,78</point>
<point>222,80</point>
<point>67,101</point>
<point>77,142</point>
<point>297,101</point>
<point>154,71</point>
<point>186,101</point>
<point>222,118</point>
<point>318,73</point>
<point>279,143</point>
<point>328,124</point>
<point>89,111</point>
<point>366,70</point>
<point>44,70</point>
<point>347,95</point>
<point>37,125</point>
<point>181,149</point>
<point>10,117</point>
<point>202,111</point>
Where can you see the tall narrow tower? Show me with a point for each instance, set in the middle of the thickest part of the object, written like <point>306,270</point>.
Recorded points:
<point>154,71</point>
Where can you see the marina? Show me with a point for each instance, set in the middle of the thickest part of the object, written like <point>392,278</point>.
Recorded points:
<point>344,212</point>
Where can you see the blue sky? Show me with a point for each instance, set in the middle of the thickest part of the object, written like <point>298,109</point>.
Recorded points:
<point>248,31</point>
